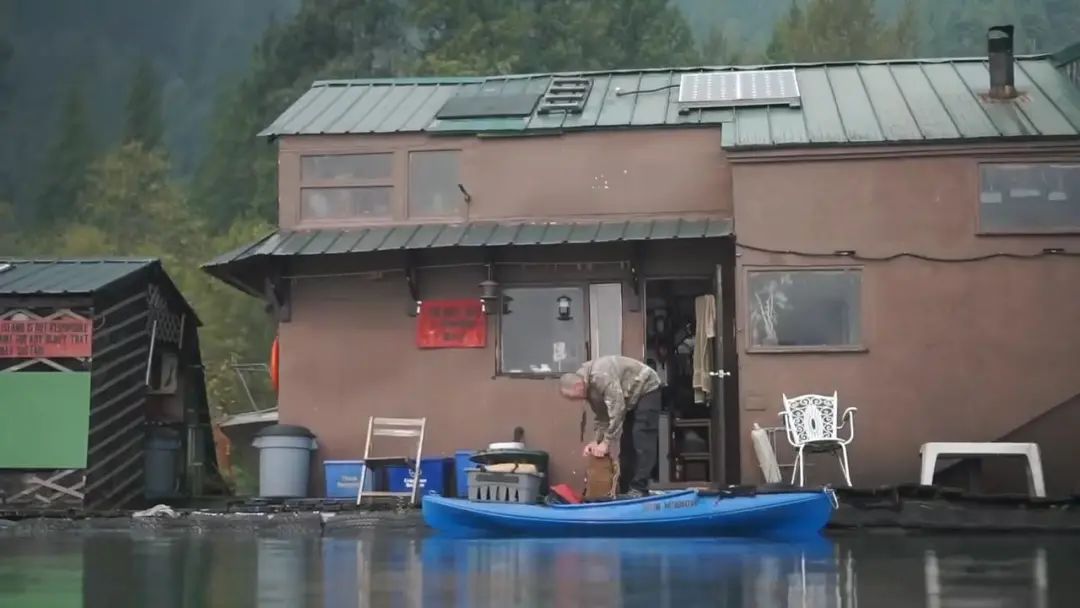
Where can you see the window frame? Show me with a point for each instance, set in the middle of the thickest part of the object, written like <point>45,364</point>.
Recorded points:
<point>982,230</point>
<point>751,348</point>
<point>397,181</point>
<point>500,338</point>
<point>408,187</point>
<point>329,184</point>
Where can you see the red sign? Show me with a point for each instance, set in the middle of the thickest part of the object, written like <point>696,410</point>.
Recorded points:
<point>451,324</point>
<point>45,338</point>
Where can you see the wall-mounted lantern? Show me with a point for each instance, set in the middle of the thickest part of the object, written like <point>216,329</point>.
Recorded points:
<point>563,304</point>
<point>489,294</point>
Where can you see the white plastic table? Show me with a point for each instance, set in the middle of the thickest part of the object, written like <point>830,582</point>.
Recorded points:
<point>953,449</point>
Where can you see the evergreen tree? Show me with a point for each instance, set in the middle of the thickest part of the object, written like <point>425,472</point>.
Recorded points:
<point>649,33</point>
<point>508,36</point>
<point>131,206</point>
<point>144,121</point>
<point>64,171</point>
<point>831,30</point>
<point>326,39</point>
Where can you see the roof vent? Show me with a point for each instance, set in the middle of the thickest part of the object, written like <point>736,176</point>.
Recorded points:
<point>739,88</point>
<point>566,94</point>
<point>999,45</point>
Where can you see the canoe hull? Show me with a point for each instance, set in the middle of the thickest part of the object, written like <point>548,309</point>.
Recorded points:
<point>687,513</point>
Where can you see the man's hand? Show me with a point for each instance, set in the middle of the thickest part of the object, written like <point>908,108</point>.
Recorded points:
<point>596,449</point>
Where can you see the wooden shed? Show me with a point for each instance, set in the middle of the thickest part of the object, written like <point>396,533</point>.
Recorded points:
<point>102,394</point>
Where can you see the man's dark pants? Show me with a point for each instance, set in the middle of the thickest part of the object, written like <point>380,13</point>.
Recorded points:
<point>638,446</point>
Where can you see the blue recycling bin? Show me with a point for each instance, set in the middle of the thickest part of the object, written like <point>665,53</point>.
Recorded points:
<point>434,477</point>
<point>343,478</point>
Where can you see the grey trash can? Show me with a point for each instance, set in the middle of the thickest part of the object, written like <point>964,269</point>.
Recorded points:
<point>160,462</point>
<point>284,460</point>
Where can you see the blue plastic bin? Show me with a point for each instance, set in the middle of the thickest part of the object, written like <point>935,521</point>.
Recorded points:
<point>434,477</point>
<point>461,480</point>
<point>343,478</point>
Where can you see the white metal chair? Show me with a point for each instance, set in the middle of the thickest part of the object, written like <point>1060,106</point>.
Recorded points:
<point>393,427</point>
<point>811,424</point>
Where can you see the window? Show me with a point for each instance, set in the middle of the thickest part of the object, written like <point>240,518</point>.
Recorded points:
<point>804,309</point>
<point>346,186</point>
<point>346,167</point>
<point>433,184</point>
<point>1029,197</point>
<point>542,330</point>
<point>344,203</point>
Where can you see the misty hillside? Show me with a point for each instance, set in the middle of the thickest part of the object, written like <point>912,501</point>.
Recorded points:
<point>944,27</point>
<point>194,44</point>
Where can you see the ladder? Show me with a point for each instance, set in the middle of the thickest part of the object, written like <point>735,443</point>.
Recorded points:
<point>393,427</point>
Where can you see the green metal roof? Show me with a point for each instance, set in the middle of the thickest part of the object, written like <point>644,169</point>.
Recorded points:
<point>477,234</point>
<point>842,103</point>
<point>65,277</point>
<point>77,277</point>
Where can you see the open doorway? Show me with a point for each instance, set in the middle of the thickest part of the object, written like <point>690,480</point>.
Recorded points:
<point>677,313</point>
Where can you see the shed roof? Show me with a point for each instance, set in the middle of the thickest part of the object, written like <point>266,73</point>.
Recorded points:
<point>863,102</point>
<point>75,277</point>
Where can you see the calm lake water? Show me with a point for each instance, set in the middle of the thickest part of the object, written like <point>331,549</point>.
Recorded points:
<point>396,565</point>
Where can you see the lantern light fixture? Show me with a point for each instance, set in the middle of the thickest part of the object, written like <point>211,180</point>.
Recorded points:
<point>563,306</point>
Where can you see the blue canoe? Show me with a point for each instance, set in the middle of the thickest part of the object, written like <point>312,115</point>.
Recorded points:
<point>683,513</point>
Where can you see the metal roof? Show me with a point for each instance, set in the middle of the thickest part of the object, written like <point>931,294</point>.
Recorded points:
<point>477,234</point>
<point>65,277</point>
<point>76,277</point>
<point>842,103</point>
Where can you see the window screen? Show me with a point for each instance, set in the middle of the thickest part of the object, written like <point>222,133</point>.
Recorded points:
<point>805,308</point>
<point>433,184</point>
<point>536,337</point>
<point>1035,197</point>
<point>343,203</point>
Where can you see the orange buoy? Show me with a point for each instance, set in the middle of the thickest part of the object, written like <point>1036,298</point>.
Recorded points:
<point>274,362</point>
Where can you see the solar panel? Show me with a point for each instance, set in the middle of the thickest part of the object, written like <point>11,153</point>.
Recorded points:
<point>489,106</point>
<point>738,88</point>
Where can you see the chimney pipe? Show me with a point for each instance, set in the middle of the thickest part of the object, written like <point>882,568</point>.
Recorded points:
<point>999,45</point>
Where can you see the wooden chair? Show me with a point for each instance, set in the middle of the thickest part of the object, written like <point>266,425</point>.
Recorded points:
<point>393,427</point>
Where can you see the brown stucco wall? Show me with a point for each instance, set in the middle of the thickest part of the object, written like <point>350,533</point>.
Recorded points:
<point>956,351</point>
<point>597,174</point>
<point>349,350</point>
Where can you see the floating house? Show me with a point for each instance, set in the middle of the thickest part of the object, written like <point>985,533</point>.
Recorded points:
<point>904,233</point>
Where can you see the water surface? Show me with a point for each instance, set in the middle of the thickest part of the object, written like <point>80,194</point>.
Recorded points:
<point>395,565</point>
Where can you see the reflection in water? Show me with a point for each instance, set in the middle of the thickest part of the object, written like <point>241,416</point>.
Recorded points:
<point>962,578</point>
<point>401,567</point>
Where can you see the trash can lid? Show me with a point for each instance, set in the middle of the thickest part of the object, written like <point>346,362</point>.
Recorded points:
<point>285,430</point>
